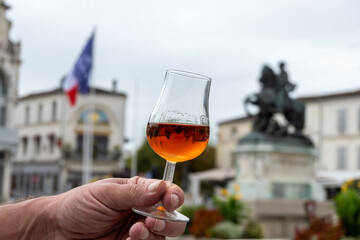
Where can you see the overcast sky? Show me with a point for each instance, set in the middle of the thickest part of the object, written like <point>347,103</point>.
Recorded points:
<point>227,40</point>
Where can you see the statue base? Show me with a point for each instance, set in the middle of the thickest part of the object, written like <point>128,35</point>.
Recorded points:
<point>276,178</point>
<point>276,168</point>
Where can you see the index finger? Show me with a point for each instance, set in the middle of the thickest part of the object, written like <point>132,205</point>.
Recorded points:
<point>133,180</point>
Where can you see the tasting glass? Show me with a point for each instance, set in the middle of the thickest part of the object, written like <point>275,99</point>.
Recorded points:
<point>178,129</point>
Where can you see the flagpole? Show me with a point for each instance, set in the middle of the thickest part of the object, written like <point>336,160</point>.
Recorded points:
<point>86,144</point>
<point>88,128</point>
<point>80,78</point>
<point>62,145</point>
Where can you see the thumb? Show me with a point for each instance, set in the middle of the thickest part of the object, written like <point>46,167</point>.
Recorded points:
<point>146,193</point>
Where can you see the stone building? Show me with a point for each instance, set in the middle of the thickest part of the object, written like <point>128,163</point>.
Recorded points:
<point>230,132</point>
<point>9,75</point>
<point>49,156</point>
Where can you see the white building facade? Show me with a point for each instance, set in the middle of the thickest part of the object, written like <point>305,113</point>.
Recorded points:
<point>49,156</point>
<point>9,75</point>
<point>333,123</point>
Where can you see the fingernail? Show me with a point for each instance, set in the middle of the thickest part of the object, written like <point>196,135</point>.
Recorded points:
<point>144,233</point>
<point>154,186</point>
<point>159,225</point>
<point>174,200</point>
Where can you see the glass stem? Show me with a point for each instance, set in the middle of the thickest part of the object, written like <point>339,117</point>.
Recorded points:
<point>169,173</point>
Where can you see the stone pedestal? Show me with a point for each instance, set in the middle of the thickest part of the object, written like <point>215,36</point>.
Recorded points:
<point>276,178</point>
<point>267,170</point>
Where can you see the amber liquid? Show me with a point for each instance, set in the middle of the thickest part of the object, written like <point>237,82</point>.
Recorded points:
<point>177,142</point>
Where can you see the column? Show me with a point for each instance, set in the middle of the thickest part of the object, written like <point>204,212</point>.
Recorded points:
<point>195,190</point>
<point>7,177</point>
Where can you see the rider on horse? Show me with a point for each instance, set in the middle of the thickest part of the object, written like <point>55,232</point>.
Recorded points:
<point>274,98</point>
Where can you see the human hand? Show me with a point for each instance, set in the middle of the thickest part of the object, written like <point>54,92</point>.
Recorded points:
<point>102,210</point>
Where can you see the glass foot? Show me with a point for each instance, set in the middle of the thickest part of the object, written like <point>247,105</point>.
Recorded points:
<point>159,212</point>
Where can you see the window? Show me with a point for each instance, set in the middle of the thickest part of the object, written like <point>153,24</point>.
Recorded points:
<point>35,181</point>
<point>79,143</point>
<point>27,115</point>
<point>100,145</point>
<point>341,158</point>
<point>40,110</point>
<point>291,190</point>
<point>2,115</point>
<point>54,111</point>
<point>37,141</point>
<point>278,190</point>
<point>342,120</point>
<point>55,183</point>
<point>48,184</point>
<point>41,183</point>
<point>233,132</point>
<point>299,190</point>
<point>51,143</point>
<point>14,183</point>
<point>24,145</point>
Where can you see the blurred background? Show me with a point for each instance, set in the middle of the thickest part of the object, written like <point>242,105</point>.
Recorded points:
<point>229,188</point>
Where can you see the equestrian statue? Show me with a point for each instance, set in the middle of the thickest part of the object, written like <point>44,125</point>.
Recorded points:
<point>274,100</point>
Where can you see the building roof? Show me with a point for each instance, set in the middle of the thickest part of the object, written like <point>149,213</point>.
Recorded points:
<point>332,95</point>
<point>59,91</point>
<point>234,120</point>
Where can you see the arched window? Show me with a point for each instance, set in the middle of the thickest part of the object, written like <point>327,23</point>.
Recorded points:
<point>101,124</point>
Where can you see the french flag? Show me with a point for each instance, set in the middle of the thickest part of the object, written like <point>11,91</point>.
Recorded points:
<point>78,79</point>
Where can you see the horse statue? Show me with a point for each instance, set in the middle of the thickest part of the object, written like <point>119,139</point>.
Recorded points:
<point>273,99</point>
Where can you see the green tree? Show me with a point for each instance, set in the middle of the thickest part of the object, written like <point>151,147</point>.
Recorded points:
<point>147,160</point>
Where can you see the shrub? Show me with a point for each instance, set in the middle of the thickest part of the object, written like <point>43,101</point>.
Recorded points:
<point>320,229</point>
<point>226,230</point>
<point>252,230</point>
<point>231,207</point>
<point>203,221</point>
<point>348,209</point>
<point>190,211</point>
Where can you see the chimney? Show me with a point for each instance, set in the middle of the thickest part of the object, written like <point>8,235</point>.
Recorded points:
<point>114,85</point>
<point>62,80</point>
